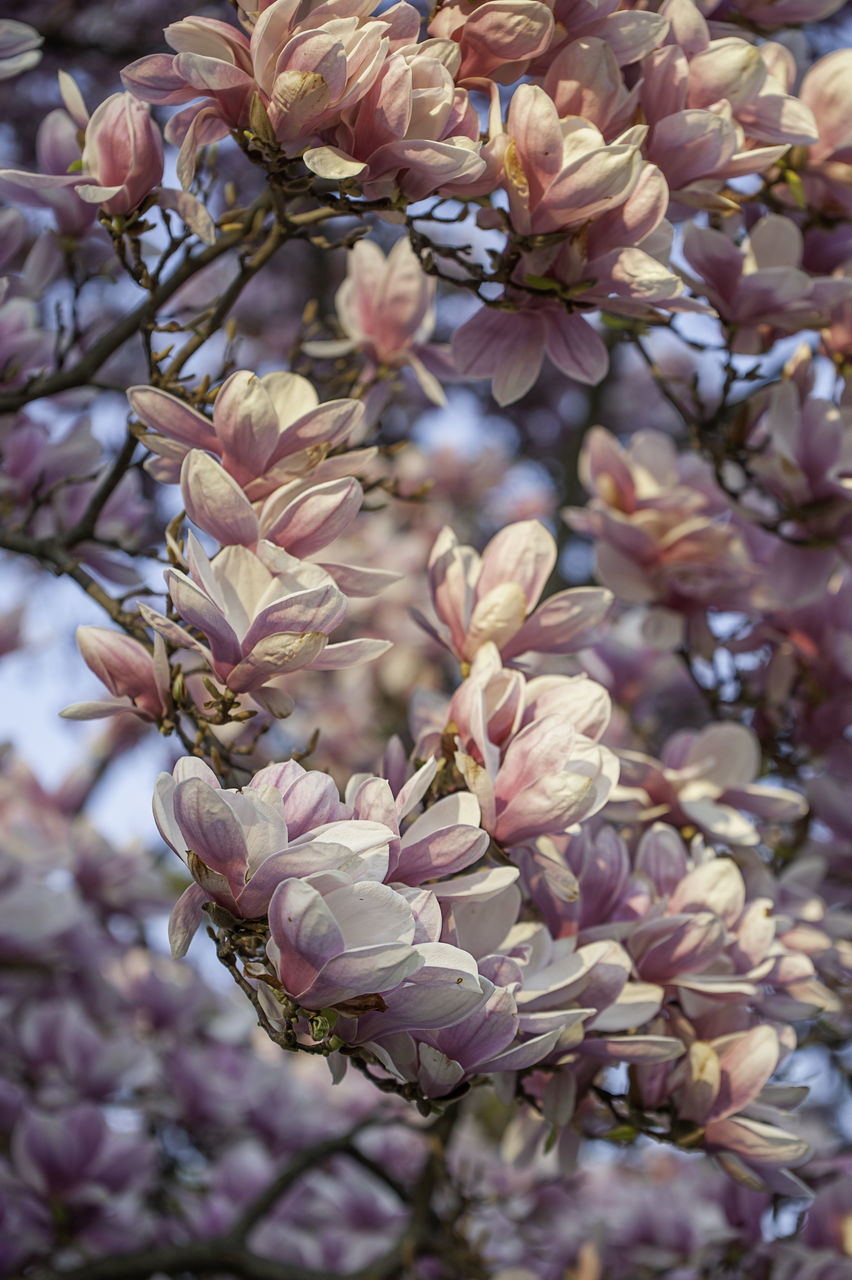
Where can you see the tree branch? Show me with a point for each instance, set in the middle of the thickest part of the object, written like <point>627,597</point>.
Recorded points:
<point>134,321</point>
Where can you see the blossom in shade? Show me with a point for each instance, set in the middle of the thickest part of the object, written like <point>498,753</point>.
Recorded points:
<point>20,48</point>
<point>442,840</point>
<point>122,155</point>
<point>759,287</point>
<point>386,308</point>
<point>706,778</point>
<point>660,523</point>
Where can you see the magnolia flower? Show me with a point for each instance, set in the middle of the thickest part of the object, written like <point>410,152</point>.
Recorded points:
<point>550,777</point>
<point>239,846</point>
<point>120,167</point>
<point>828,164</point>
<point>414,131</point>
<point>705,778</point>
<point>332,941</point>
<point>760,283</point>
<point>493,597</point>
<point>263,614</point>
<point>485,1040</point>
<point>661,532</point>
<point>441,841</point>
<point>122,155</point>
<point>138,679</point>
<point>265,430</point>
<point>305,67</point>
<point>298,518</point>
<point>494,35</point>
<point>20,48</point>
<point>386,308</point>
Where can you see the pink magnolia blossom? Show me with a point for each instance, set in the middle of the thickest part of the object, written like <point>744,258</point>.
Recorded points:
<point>550,777</point>
<point>240,845</point>
<point>265,430</point>
<point>441,841</point>
<point>499,36</point>
<point>386,308</point>
<point>57,149</point>
<point>618,264</point>
<point>484,1041</point>
<point>662,535</point>
<point>263,613</point>
<point>759,287</point>
<point>121,164</point>
<point>122,155</point>
<point>306,67</point>
<point>828,166</point>
<point>630,34</point>
<point>413,132</point>
<point>300,518</point>
<point>559,174</point>
<point>494,597</point>
<point>20,48</point>
<point>705,778</point>
<point>332,941</point>
<point>543,772</point>
<point>138,679</point>
<point>709,101</point>
<point>585,80</point>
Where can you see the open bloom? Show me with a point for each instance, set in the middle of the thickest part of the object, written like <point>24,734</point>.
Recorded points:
<point>239,846</point>
<point>759,287</point>
<point>265,430</point>
<point>494,596</point>
<point>414,131</point>
<point>306,67</point>
<point>705,778</point>
<point>332,941</point>
<point>386,308</point>
<point>263,613</point>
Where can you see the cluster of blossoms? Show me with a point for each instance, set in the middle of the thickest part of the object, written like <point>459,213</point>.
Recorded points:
<point>597,872</point>
<point>136,1112</point>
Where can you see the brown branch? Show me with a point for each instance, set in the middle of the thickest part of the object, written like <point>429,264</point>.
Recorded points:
<point>145,314</point>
